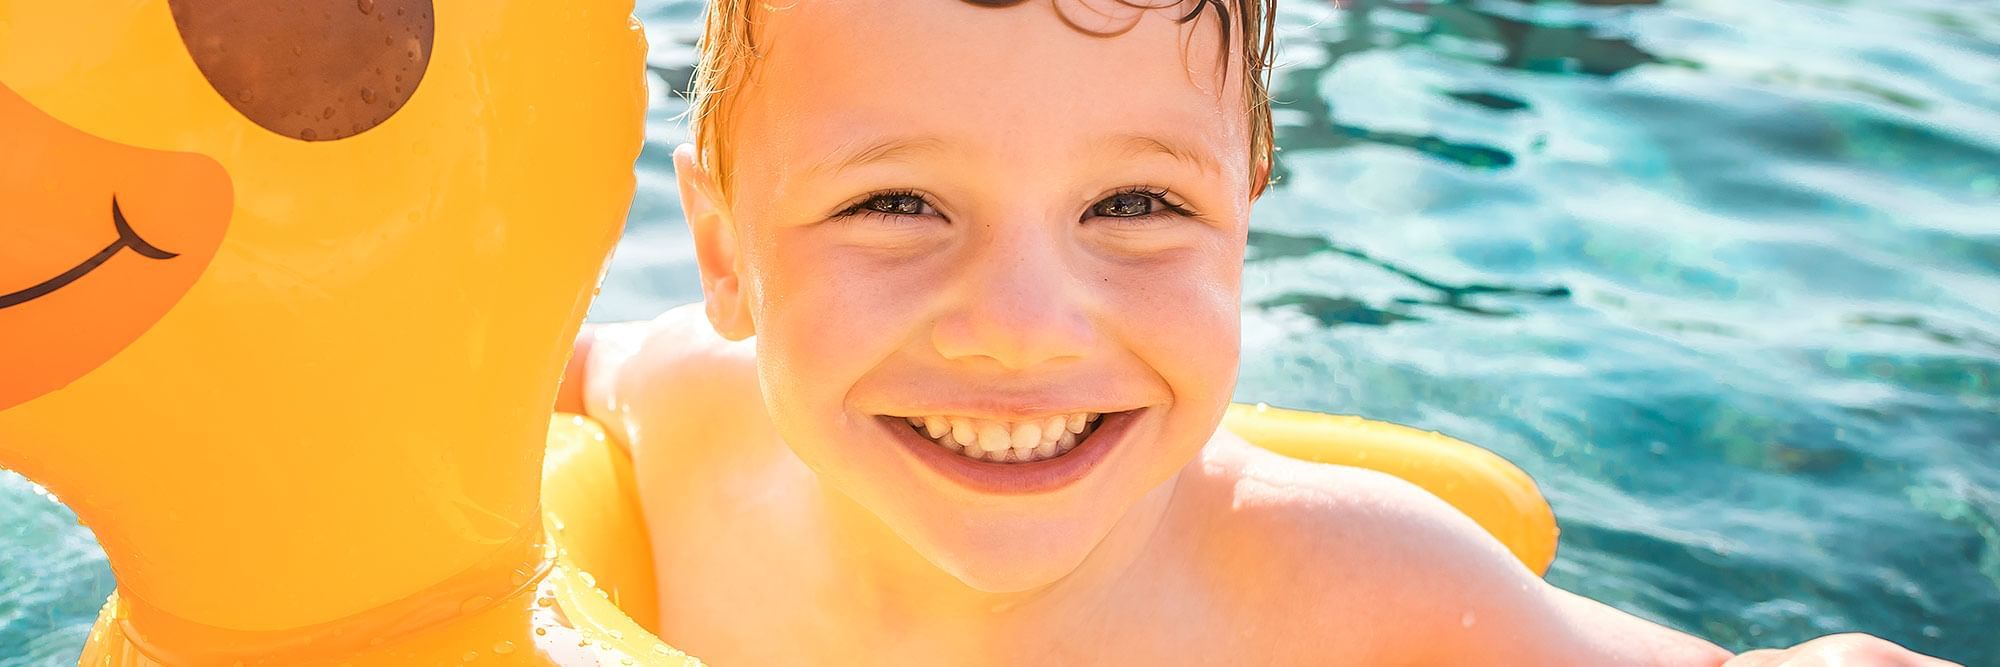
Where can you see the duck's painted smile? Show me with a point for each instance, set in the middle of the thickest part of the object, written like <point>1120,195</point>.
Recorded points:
<point>126,239</point>
<point>60,319</point>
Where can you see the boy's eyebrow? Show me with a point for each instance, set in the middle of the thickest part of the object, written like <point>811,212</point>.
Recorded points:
<point>1141,144</point>
<point>895,148</point>
<point>898,148</point>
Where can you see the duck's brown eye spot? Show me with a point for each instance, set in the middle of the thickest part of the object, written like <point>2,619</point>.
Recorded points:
<point>316,70</point>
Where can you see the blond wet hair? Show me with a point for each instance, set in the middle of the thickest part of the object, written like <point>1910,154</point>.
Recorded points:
<point>727,49</point>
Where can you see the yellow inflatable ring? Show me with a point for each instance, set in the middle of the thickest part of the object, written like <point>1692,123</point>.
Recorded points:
<point>591,505</point>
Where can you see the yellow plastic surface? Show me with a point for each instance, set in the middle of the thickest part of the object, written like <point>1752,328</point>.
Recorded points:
<point>590,503</point>
<point>309,423</point>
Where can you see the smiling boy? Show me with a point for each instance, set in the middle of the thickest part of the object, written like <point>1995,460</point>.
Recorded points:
<point>971,276</point>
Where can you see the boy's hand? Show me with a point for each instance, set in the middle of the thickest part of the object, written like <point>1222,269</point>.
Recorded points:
<point>1837,650</point>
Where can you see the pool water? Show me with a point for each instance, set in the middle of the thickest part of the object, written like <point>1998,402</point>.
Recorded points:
<point>1723,276</point>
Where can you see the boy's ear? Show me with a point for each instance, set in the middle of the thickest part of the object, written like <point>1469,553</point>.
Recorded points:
<point>715,248</point>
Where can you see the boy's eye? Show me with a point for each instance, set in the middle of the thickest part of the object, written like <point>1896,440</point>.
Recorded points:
<point>1136,203</point>
<point>1123,205</point>
<point>894,203</point>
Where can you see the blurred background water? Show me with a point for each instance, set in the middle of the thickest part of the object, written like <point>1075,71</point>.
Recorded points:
<point>1724,276</point>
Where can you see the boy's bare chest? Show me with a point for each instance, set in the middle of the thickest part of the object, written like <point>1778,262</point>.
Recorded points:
<point>750,610</point>
<point>741,583</point>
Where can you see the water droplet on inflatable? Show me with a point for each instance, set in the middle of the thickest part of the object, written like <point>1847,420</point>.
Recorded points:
<point>366,6</point>
<point>326,113</point>
<point>368,95</point>
<point>308,134</point>
<point>474,603</point>
<point>469,656</point>
<point>541,632</point>
<point>245,96</point>
<point>1468,619</point>
<point>503,648</point>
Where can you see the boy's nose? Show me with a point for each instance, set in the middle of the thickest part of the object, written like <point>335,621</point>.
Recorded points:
<point>1022,307</point>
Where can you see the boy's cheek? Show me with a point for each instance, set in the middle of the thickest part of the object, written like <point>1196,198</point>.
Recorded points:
<point>827,328</point>
<point>1186,325</point>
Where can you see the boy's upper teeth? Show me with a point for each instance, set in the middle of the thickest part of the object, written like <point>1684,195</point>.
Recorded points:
<point>995,437</point>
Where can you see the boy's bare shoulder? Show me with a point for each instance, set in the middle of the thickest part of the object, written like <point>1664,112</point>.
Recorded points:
<point>1318,511</point>
<point>1362,563</point>
<point>672,378</point>
<point>1366,564</point>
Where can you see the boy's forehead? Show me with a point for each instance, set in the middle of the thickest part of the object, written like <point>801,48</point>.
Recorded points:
<point>829,72</point>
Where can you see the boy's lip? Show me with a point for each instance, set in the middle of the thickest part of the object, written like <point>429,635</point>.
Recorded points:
<point>1017,479</point>
<point>1003,413</point>
<point>1005,406</point>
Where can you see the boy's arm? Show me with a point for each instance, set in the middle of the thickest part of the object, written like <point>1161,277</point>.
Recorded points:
<point>569,394</point>
<point>1433,588</point>
<point>1443,591</point>
<point>1579,630</point>
<point>672,374</point>
<point>589,379</point>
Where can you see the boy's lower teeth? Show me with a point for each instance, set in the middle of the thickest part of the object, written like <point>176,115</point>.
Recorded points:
<point>1004,442</point>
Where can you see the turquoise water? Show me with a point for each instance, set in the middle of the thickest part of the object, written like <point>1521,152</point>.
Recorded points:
<point>1724,276</point>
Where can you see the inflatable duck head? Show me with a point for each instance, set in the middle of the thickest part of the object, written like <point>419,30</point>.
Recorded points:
<point>285,289</point>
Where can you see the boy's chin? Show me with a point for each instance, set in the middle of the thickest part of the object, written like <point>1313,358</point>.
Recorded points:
<point>1013,562</point>
<point>988,574</point>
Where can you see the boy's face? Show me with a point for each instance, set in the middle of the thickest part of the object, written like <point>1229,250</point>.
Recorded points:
<point>987,218</point>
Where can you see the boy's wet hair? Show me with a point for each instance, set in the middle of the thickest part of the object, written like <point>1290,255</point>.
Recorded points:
<point>727,49</point>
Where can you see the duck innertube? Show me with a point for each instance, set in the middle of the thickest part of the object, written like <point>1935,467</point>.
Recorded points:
<point>285,289</point>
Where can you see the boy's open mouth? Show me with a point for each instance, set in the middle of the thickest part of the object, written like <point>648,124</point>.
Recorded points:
<point>997,441</point>
<point>1013,456</point>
